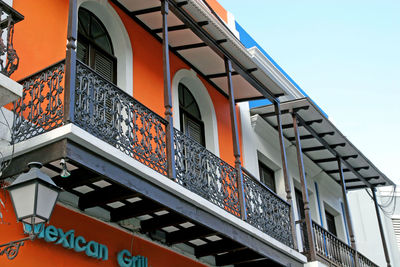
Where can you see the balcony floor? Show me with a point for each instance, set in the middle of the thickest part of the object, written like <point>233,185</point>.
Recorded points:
<point>105,178</point>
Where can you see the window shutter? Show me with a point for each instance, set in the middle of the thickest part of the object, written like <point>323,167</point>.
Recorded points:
<point>104,66</point>
<point>82,52</point>
<point>194,130</point>
<point>396,227</point>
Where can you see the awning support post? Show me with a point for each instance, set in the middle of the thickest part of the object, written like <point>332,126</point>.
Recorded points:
<point>378,216</point>
<point>312,256</point>
<point>70,62</point>
<point>346,205</point>
<point>347,211</point>
<point>288,188</point>
<point>168,94</point>
<point>235,137</point>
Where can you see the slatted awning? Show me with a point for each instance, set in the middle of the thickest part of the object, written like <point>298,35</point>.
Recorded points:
<point>203,41</point>
<point>323,143</point>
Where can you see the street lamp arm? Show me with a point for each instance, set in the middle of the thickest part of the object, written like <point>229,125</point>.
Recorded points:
<point>11,249</point>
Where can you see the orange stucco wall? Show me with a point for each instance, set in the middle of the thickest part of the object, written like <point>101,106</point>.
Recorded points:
<point>219,9</point>
<point>40,41</point>
<point>42,253</point>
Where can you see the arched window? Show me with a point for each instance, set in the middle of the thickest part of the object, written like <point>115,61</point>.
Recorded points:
<point>190,117</point>
<point>94,45</point>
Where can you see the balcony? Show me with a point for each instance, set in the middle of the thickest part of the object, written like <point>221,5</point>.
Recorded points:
<point>108,113</point>
<point>332,251</point>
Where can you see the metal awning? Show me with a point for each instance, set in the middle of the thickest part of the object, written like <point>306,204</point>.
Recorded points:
<point>203,41</point>
<point>323,143</point>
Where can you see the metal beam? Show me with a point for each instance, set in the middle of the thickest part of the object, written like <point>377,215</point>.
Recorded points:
<point>145,11</point>
<point>188,234</point>
<point>172,28</point>
<point>348,170</point>
<point>78,178</point>
<point>187,208</point>
<point>288,188</point>
<point>217,247</point>
<point>220,75</point>
<point>44,155</point>
<point>235,140</point>
<point>188,46</point>
<point>139,208</point>
<point>148,30</point>
<point>382,232</point>
<point>221,51</point>
<point>366,178</point>
<point>332,151</point>
<point>104,196</point>
<point>236,257</point>
<point>283,111</point>
<point>364,186</point>
<point>70,63</point>
<point>307,123</point>
<point>169,128</point>
<point>312,256</point>
<point>316,148</point>
<point>334,159</point>
<point>346,205</point>
<point>156,223</point>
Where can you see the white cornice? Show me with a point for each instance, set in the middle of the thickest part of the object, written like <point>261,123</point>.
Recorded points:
<point>267,66</point>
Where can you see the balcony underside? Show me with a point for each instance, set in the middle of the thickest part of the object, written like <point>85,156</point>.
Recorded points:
<point>158,211</point>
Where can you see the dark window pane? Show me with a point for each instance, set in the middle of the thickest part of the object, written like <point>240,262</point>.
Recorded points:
<point>191,123</point>
<point>267,176</point>
<point>330,222</point>
<point>300,203</point>
<point>83,21</point>
<point>104,43</point>
<point>82,52</point>
<point>187,102</point>
<point>94,45</point>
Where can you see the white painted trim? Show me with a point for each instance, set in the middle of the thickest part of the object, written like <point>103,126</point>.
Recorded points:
<point>232,25</point>
<point>199,91</point>
<point>87,140</point>
<point>119,37</point>
<point>272,71</point>
<point>10,90</point>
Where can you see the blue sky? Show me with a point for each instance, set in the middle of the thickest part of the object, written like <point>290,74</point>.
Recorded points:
<point>346,56</point>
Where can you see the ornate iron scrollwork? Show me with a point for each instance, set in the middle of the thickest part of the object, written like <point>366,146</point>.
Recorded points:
<point>109,113</point>
<point>9,59</point>
<point>266,211</point>
<point>202,172</point>
<point>40,109</point>
<point>11,250</point>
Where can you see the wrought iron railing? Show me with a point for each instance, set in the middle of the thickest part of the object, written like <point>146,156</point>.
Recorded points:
<point>364,261</point>
<point>40,109</point>
<point>336,252</point>
<point>110,114</point>
<point>266,210</point>
<point>200,171</point>
<point>9,59</point>
<point>107,112</point>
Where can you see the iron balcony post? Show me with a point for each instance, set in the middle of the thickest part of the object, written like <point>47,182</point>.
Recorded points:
<point>347,211</point>
<point>346,205</point>
<point>288,188</point>
<point>235,137</point>
<point>311,246</point>
<point>378,216</point>
<point>167,93</point>
<point>70,63</point>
